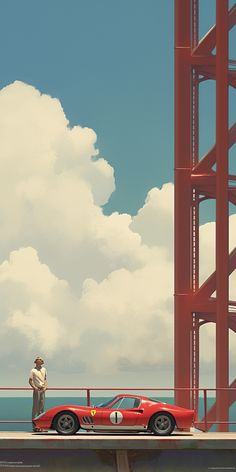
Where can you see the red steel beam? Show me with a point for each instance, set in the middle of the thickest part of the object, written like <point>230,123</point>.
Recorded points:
<point>195,182</point>
<point>182,199</point>
<point>208,161</point>
<point>207,44</point>
<point>209,286</point>
<point>222,230</point>
<point>212,414</point>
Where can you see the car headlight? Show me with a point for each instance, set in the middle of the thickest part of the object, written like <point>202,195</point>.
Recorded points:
<point>39,416</point>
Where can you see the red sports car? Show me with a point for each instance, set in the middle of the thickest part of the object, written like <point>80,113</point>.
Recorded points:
<point>122,413</point>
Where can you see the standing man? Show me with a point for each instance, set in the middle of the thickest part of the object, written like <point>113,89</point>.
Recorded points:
<point>38,382</point>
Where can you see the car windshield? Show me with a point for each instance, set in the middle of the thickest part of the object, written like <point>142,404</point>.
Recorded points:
<point>104,404</point>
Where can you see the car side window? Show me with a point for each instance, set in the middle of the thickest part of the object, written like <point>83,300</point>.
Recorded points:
<point>116,405</point>
<point>129,402</point>
<point>136,403</point>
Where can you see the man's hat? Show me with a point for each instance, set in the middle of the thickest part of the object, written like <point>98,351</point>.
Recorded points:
<point>39,359</point>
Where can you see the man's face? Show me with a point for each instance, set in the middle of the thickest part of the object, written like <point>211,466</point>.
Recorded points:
<point>39,363</point>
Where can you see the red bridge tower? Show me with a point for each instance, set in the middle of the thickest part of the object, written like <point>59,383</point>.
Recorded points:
<point>198,178</point>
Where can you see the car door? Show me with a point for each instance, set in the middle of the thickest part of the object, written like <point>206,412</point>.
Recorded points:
<point>91,417</point>
<point>125,413</point>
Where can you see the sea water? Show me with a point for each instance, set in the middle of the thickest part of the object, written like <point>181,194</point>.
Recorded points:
<point>19,409</point>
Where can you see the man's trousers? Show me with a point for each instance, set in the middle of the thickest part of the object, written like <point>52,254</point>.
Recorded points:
<point>38,403</point>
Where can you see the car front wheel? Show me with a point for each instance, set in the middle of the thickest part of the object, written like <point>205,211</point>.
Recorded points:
<point>162,424</point>
<point>66,423</point>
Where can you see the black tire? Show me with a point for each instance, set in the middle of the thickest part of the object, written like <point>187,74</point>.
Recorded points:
<point>162,424</point>
<point>66,423</point>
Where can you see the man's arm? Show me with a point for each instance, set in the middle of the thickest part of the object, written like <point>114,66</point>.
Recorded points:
<point>45,382</point>
<point>32,384</point>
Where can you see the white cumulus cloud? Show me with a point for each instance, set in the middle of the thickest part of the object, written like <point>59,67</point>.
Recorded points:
<point>93,293</point>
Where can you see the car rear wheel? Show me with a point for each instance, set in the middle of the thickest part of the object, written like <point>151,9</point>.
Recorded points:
<point>66,423</point>
<point>162,424</point>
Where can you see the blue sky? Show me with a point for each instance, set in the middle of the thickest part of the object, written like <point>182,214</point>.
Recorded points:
<point>111,65</point>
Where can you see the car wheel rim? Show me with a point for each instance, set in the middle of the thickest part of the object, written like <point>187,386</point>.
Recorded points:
<point>162,423</point>
<point>66,423</point>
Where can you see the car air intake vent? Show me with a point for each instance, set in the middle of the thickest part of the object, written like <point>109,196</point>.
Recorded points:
<point>87,420</point>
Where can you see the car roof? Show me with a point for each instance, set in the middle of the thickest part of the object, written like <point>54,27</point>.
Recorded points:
<point>131,395</point>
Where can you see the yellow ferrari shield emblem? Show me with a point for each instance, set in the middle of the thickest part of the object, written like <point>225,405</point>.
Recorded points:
<point>93,412</point>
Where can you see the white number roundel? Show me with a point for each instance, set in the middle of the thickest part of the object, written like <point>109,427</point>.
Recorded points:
<point>116,417</point>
